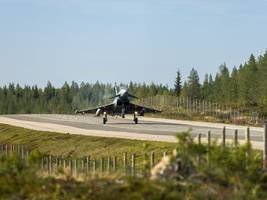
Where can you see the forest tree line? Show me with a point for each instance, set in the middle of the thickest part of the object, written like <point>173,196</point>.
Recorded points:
<point>68,98</point>
<point>242,87</point>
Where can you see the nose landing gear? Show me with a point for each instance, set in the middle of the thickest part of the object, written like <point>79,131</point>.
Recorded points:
<point>123,112</point>
<point>135,118</point>
<point>105,118</point>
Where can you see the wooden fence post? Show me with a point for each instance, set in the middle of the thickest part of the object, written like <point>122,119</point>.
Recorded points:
<point>6,150</point>
<point>42,163</point>
<point>152,159</point>
<point>114,163</point>
<point>50,164</point>
<point>18,150</point>
<point>22,153</point>
<point>70,168</point>
<point>125,160</point>
<point>108,164</point>
<point>47,163</point>
<point>59,162</point>
<point>27,156</point>
<point>87,164</point>
<point>236,138</point>
<point>248,135</point>
<point>199,138</point>
<point>209,139</point>
<point>209,143</point>
<point>94,165</point>
<point>145,158</point>
<point>56,163</point>
<point>64,164</point>
<point>133,164</point>
<point>164,154</point>
<point>223,136</point>
<point>75,168</point>
<point>265,146</point>
<point>199,143</point>
<point>187,104</point>
<point>101,164</point>
<point>82,165</point>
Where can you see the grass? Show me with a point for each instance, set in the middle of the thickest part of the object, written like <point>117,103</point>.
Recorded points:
<point>194,172</point>
<point>59,144</point>
<point>233,172</point>
<point>19,181</point>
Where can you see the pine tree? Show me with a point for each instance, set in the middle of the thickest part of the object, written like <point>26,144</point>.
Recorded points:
<point>224,87</point>
<point>193,85</point>
<point>205,90</point>
<point>177,84</point>
<point>234,92</point>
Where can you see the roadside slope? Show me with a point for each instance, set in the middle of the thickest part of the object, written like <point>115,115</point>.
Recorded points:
<point>77,145</point>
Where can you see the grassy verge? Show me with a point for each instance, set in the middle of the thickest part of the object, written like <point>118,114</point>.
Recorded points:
<point>198,117</point>
<point>77,145</point>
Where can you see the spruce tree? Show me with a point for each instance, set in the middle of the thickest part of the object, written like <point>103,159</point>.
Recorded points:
<point>193,86</point>
<point>177,84</point>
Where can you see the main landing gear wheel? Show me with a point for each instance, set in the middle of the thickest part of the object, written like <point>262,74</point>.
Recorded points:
<point>105,118</point>
<point>135,118</point>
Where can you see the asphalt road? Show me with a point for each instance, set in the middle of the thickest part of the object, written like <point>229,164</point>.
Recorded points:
<point>146,125</point>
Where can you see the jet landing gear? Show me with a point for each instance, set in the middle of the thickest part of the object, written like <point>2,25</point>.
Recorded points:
<point>105,118</point>
<point>123,112</point>
<point>135,118</point>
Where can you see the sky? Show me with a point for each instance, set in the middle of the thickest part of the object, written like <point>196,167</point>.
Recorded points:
<point>123,40</point>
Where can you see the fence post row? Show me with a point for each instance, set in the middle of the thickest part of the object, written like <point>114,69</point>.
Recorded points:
<point>53,163</point>
<point>194,105</point>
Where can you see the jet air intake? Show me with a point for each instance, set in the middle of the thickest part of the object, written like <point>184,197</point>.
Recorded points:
<point>98,112</point>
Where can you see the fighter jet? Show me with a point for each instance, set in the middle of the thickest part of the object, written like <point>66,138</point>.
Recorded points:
<point>120,106</point>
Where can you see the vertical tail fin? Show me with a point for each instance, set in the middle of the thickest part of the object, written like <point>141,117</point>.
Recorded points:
<point>116,88</point>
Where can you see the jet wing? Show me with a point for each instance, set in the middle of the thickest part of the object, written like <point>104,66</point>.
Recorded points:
<point>140,109</point>
<point>105,108</point>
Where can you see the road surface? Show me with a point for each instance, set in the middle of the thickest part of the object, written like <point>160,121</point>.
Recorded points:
<point>147,129</point>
